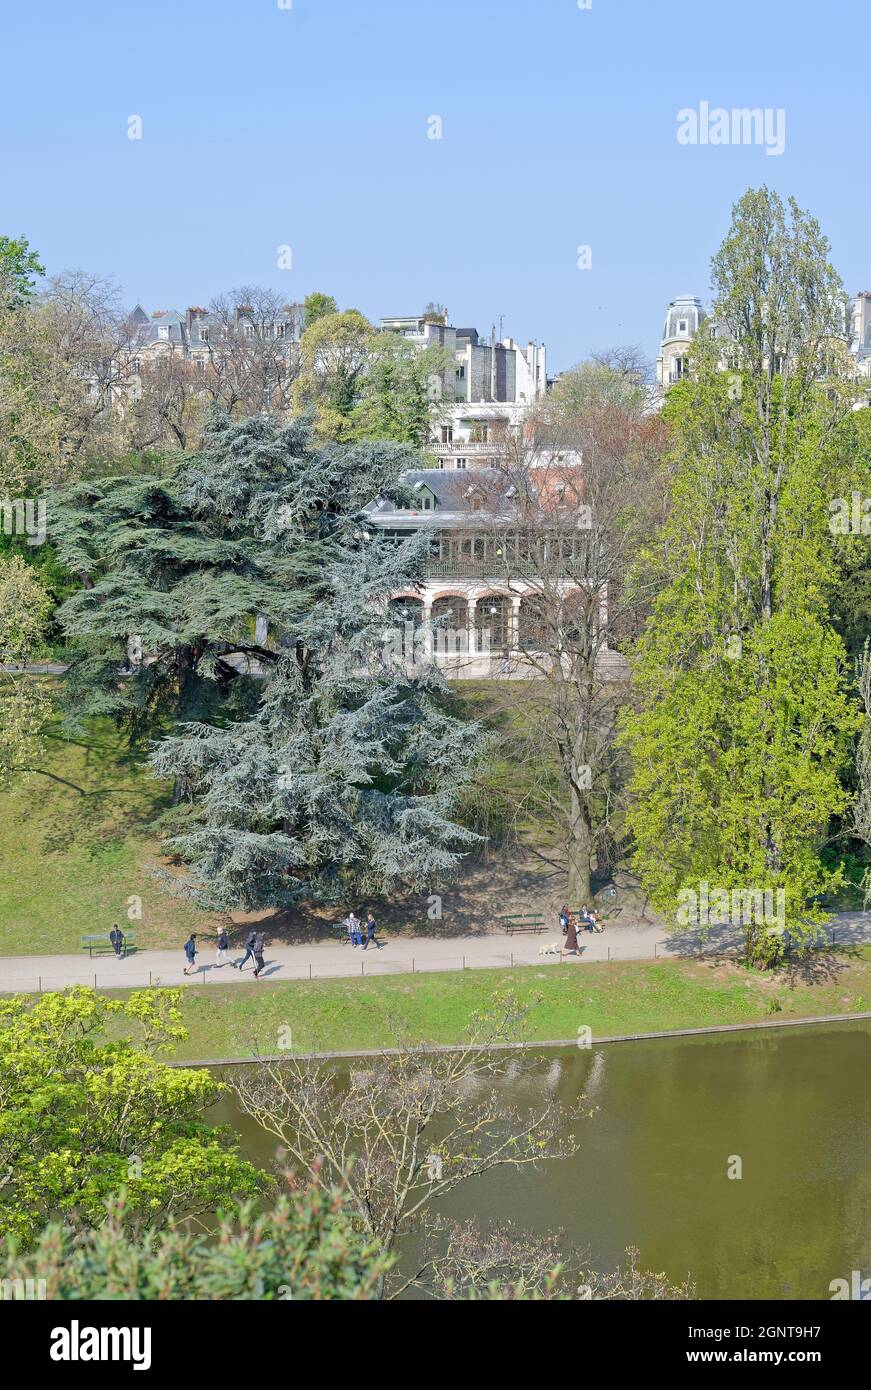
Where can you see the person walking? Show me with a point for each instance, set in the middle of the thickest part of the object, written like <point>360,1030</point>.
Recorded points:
<point>223,946</point>
<point>353,925</point>
<point>370,931</point>
<point>190,950</point>
<point>258,948</point>
<point>249,950</point>
<point>571,946</point>
<point>116,936</point>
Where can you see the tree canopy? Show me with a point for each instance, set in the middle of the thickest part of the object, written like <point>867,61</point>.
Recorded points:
<point>310,758</point>
<point>85,1113</point>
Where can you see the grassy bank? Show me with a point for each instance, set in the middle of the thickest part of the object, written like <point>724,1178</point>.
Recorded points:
<point>76,841</point>
<point>622,997</point>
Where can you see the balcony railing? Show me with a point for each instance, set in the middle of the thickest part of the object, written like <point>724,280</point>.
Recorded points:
<point>496,573</point>
<point>459,446</point>
<point>466,568</point>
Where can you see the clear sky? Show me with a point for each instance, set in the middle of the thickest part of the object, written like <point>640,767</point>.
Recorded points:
<point>308,127</point>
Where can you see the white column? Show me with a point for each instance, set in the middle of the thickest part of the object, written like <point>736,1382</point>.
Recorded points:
<point>515,622</point>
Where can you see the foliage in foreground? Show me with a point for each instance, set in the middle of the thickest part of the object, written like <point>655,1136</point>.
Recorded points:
<point>304,1248</point>
<point>82,1116</point>
<point>308,1247</point>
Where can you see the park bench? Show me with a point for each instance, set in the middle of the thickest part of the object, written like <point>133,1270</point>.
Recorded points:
<point>522,921</point>
<point>100,942</point>
<point>582,925</point>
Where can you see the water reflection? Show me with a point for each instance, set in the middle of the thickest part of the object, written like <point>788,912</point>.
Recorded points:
<point>668,1115</point>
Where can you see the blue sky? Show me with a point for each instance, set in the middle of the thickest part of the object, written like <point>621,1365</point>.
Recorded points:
<point>307,127</point>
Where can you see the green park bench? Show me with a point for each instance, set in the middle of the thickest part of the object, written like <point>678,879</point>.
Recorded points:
<point>100,943</point>
<point>522,921</point>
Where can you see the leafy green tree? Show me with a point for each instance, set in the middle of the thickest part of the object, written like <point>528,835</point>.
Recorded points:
<point>19,269</point>
<point>85,1113</point>
<point>334,354</point>
<point>400,390</point>
<point>333,763</point>
<point>24,705</point>
<point>63,354</point>
<point>614,378</point>
<point>316,306</point>
<point>744,716</point>
<point>850,526</point>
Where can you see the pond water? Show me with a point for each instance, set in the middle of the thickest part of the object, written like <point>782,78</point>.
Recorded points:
<point>652,1169</point>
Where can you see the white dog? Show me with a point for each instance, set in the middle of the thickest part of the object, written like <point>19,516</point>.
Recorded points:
<point>551,948</point>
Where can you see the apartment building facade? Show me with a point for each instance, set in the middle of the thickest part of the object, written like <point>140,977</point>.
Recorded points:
<point>480,404</point>
<point>685,315</point>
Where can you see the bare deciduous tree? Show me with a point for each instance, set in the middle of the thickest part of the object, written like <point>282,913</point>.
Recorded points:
<point>251,366</point>
<point>506,1263</point>
<point>408,1128</point>
<point>586,488</point>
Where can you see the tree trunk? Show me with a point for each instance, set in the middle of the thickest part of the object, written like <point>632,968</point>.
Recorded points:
<point>579,848</point>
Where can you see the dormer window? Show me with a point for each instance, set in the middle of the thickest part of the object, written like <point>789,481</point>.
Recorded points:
<point>425,500</point>
<point>163,331</point>
<point>682,326</point>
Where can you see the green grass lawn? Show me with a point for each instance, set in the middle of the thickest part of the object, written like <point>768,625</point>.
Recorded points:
<point>624,997</point>
<point>75,846</point>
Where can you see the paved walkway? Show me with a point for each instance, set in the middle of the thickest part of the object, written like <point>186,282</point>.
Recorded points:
<point>401,955</point>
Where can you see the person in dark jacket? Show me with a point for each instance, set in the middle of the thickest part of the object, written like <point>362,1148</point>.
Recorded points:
<point>258,948</point>
<point>190,950</point>
<point>116,936</point>
<point>223,946</point>
<point>249,950</point>
<point>370,932</point>
<point>571,946</point>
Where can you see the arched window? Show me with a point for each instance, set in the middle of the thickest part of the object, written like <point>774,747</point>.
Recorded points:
<point>533,624</point>
<point>405,627</point>
<point>493,622</point>
<point>450,619</point>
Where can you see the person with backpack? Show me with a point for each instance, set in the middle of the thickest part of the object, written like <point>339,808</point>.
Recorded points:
<point>190,950</point>
<point>249,950</point>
